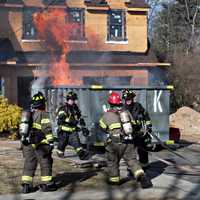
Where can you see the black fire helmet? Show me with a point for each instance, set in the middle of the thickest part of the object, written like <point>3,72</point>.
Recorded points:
<point>38,100</point>
<point>128,94</point>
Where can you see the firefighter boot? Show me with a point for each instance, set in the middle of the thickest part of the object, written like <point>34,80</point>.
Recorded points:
<point>26,188</point>
<point>129,173</point>
<point>144,181</point>
<point>48,187</point>
<point>145,166</point>
<point>83,155</point>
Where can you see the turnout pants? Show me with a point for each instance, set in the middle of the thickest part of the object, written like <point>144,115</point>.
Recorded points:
<point>41,155</point>
<point>68,138</point>
<point>142,153</point>
<point>114,153</point>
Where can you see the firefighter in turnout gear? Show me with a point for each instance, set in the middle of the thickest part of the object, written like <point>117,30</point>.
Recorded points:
<point>140,120</point>
<point>37,145</point>
<point>119,142</point>
<point>69,118</point>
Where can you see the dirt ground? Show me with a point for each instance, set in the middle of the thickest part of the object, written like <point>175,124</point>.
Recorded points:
<point>64,171</point>
<point>67,175</point>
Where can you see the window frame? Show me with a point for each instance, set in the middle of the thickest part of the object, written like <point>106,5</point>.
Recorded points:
<point>123,38</point>
<point>29,20</point>
<point>81,11</point>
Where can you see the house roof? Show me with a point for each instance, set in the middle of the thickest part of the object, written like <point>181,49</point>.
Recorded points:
<point>81,58</point>
<point>111,57</point>
<point>96,2</point>
<point>131,4</point>
<point>50,2</point>
<point>137,4</point>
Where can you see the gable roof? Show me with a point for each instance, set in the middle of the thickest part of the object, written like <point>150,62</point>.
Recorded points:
<point>137,4</point>
<point>96,2</point>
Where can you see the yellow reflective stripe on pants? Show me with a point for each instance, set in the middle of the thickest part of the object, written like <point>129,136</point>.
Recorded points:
<point>78,149</point>
<point>67,119</point>
<point>37,126</point>
<point>49,137</point>
<point>46,178</point>
<point>102,124</point>
<point>27,178</point>
<point>133,122</point>
<point>45,141</point>
<point>138,173</point>
<point>45,121</point>
<point>99,144</point>
<point>148,122</point>
<point>68,129</point>
<point>114,125</point>
<point>61,112</point>
<point>115,179</point>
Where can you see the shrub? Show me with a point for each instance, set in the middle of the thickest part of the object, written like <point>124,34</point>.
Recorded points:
<point>184,75</point>
<point>9,116</point>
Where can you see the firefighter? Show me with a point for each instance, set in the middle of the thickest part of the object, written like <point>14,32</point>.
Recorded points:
<point>69,118</point>
<point>37,145</point>
<point>140,118</point>
<point>119,142</point>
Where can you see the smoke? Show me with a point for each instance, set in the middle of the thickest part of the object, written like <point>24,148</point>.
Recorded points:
<point>38,85</point>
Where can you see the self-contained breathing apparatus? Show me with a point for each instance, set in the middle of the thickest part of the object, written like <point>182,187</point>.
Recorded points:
<point>125,118</point>
<point>24,127</point>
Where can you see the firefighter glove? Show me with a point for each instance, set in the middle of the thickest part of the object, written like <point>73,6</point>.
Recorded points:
<point>25,141</point>
<point>149,128</point>
<point>51,145</point>
<point>147,139</point>
<point>82,122</point>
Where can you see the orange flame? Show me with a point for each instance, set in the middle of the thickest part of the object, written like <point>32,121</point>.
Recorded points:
<point>55,30</point>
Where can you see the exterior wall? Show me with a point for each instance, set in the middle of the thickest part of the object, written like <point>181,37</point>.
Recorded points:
<point>136,27</point>
<point>11,27</point>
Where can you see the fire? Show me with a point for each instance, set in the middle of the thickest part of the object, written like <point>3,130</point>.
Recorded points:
<point>54,29</point>
<point>60,72</point>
